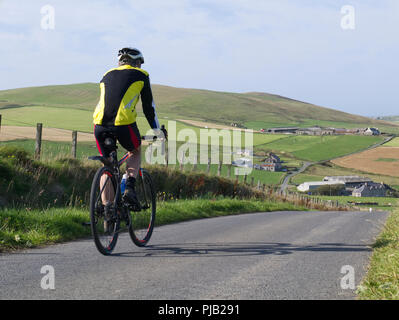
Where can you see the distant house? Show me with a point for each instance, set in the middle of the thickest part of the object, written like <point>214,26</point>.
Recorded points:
<point>272,163</point>
<point>370,190</point>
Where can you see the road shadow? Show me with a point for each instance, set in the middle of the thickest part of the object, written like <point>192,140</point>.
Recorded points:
<point>239,249</point>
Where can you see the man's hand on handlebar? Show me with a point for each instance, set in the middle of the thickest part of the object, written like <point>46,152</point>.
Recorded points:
<point>161,133</point>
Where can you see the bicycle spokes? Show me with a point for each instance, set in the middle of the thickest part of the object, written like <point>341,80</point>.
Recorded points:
<point>143,220</point>
<point>104,219</point>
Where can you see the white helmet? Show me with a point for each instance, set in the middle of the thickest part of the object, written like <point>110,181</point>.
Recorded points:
<point>132,53</point>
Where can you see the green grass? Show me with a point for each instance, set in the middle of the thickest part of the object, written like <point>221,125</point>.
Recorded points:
<point>301,178</point>
<point>383,203</point>
<point>29,228</point>
<point>382,279</point>
<point>26,228</point>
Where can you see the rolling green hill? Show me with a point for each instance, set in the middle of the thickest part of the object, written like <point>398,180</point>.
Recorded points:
<point>253,110</point>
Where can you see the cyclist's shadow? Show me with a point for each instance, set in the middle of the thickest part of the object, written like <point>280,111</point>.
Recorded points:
<point>238,249</point>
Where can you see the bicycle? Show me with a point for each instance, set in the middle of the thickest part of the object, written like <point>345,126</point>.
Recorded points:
<point>106,220</point>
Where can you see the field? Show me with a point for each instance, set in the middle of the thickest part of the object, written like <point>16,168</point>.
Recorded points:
<point>382,160</point>
<point>317,148</point>
<point>393,143</point>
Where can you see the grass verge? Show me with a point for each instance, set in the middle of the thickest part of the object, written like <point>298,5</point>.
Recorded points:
<point>20,229</point>
<point>382,279</point>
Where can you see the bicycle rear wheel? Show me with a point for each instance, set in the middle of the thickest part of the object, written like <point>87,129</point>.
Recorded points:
<point>143,221</point>
<point>103,218</point>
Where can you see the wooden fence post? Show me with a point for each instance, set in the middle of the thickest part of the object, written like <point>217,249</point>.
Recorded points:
<point>258,186</point>
<point>181,162</point>
<point>220,169</point>
<point>74,143</point>
<point>0,122</point>
<point>38,146</point>
<point>245,179</point>
<point>209,166</point>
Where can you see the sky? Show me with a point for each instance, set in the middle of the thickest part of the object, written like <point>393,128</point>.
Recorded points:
<point>294,48</point>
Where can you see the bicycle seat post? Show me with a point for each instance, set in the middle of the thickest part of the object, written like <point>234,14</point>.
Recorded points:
<point>110,144</point>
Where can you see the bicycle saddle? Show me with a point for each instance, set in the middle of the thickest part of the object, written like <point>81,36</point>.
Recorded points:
<point>110,141</point>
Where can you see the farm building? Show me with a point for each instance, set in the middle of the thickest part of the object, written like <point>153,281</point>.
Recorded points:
<point>349,181</point>
<point>370,190</point>
<point>309,186</point>
<point>272,163</point>
<point>316,131</point>
<point>346,131</point>
<point>283,130</point>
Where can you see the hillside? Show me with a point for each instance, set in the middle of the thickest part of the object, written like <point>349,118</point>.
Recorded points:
<point>253,110</point>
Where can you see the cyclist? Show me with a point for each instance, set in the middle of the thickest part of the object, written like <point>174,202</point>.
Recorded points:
<point>115,113</point>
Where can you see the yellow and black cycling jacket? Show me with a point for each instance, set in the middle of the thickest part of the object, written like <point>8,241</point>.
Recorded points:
<point>121,89</point>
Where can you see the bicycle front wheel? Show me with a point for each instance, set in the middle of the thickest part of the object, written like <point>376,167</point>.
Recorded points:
<point>143,221</point>
<point>103,217</point>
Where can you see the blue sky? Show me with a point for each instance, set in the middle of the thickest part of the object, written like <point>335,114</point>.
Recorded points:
<point>295,48</point>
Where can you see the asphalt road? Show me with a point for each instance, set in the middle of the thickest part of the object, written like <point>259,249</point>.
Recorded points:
<point>288,177</point>
<point>280,255</point>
